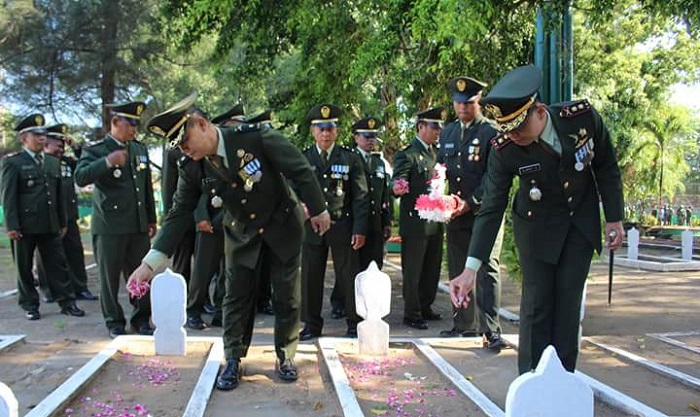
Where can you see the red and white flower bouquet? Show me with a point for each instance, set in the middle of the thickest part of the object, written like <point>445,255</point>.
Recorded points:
<point>436,206</point>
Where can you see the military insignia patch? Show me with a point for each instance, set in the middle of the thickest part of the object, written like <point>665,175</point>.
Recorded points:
<point>493,111</point>
<point>461,85</point>
<point>39,120</point>
<point>500,142</point>
<point>443,114</point>
<point>574,109</point>
<point>371,123</point>
<point>139,109</point>
<point>156,130</point>
<point>325,112</point>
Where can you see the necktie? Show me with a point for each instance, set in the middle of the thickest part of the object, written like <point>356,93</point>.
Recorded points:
<point>368,159</point>
<point>463,134</point>
<point>39,160</point>
<point>324,157</point>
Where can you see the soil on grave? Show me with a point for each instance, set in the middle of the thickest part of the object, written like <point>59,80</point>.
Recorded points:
<point>403,383</point>
<point>137,382</point>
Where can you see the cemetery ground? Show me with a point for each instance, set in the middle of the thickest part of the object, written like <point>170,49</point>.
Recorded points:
<point>643,303</point>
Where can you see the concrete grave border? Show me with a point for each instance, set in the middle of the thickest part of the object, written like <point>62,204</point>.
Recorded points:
<point>606,393</point>
<point>195,407</point>
<point>669,338</point>
<point>348,399</point>
<point>7,340</point>
<point>679,376</point>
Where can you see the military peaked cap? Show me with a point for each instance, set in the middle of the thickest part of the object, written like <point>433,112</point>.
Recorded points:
<point>170,124</point>
<point>434,115</point>
<point>512,96</point>
<point>131,111</point>
<point>324,115</point>
<point>235,114</point>
<point>369,126</point>
<point>57,131</point>
<point>262,118</point>
<point>465,89</point>
<point>33,123</point>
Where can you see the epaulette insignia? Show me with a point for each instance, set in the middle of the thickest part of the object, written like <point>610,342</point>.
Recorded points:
<point>11,154</point>
<point>91,144</point>
<point>575,108</point>
<point>183,161</point>
<point>247,127</point>
<point>499,142</point>
<point>406,147</point>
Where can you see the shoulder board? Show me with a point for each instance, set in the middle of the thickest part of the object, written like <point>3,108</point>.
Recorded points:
<point>575,108</point>
<point>246,127</point>
<point>183,160</point>
<point>408,145</point>
<point>91,144</point>
<point>499,142</point>
<point>11,154</point>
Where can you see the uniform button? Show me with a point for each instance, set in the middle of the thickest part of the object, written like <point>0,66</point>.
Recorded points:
<point>459,166</point>
<point>325,175</point>
<point>566,184</point>
<point>261,230</point>
<point>252,216</point>
<point>570,199</point>
<point>233,223</point>
<point>373,212</point>
<point>234,185</point>
<point>459,193</point>
<point>49,203</point>
<point>325,189</point>
<point>410,214</point>
<point>137,188</point>
<point>529,214</point>
<point>115,207</point>
<point>371,188</point>
<point>139,203</point>
<point>371,202</point>
<point>459,153</point>
<point>459,179</point>
<point>571,213</point>
<point>243,201</point>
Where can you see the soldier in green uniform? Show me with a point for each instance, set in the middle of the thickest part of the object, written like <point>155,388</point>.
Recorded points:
<point>248,168</point>
<point>340,173</point>
<point>421,240</point>
<point>566,164</point>
<point>35,218</point>
<point>380,203</point>
<point>464,149</point>
<point>57,138</point>
<point>124,216</point>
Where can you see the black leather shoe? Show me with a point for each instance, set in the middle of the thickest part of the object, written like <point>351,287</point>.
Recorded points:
<point>495,342</point>
<point>208,308</point>
<point>419,324</point>
<point>115,332</point>
<point>72,310</point>
<point>454,332</point>
<point>308,334</point>
<point>48,299</point>
<point>86,295</point>
<point>430,315</point>
<point>216,320</point>
<point>33,314</point>
<point>287,371</point>
<point>228,378</point>
<point>337,313</point>
<point>143,329</point>
<point>195,322</point>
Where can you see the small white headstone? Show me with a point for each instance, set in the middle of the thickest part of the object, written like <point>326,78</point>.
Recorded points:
<point>687,245</point>
<point>372,302</point>
<point>633,244</point>
<point>549,391</point>
<point>168,298</point>
<point>9,407</point>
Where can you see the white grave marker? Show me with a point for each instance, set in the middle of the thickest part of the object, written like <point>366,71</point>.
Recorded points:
<point>549,391</point>
<point>9,407</point>
<point>373,301</point>
<point>687,245</point>
<point>168,297</point>
<point>633,244</point>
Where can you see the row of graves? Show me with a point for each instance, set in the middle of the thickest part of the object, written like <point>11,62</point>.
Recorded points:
<point>173,374</point>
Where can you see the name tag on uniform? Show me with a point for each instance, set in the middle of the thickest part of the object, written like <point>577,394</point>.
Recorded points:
<point>449,145</point>
<point>529,168</point>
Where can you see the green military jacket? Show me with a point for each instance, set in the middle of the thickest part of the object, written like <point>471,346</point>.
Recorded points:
<point>122,199</point>
<point>380,202</point>
<point>414,163</point>
<point>555,192</point>
<point>257,200</point>
<point>32,196</point>
<point>344,188</point>
<point>68,187</point>
<point>464,155</point>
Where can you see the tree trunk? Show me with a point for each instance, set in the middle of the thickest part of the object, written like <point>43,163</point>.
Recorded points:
<point>108,59</point>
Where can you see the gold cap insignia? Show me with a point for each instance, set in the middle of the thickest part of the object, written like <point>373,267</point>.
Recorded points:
<point>156,130</point>
<point>139,109</point>
<point>371,123</point>
<point>39,120</point>
<point>325,112</point>
<point>461,85</point>
<point>443,114</point>
<point>493,111</point>
<point>64,129</point>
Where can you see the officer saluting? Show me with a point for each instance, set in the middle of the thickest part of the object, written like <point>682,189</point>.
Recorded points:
<point>35,217</point>
<point>249,168</point>
<point>564,159</point>
<point>124,216</point>
<point>365,132</point>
